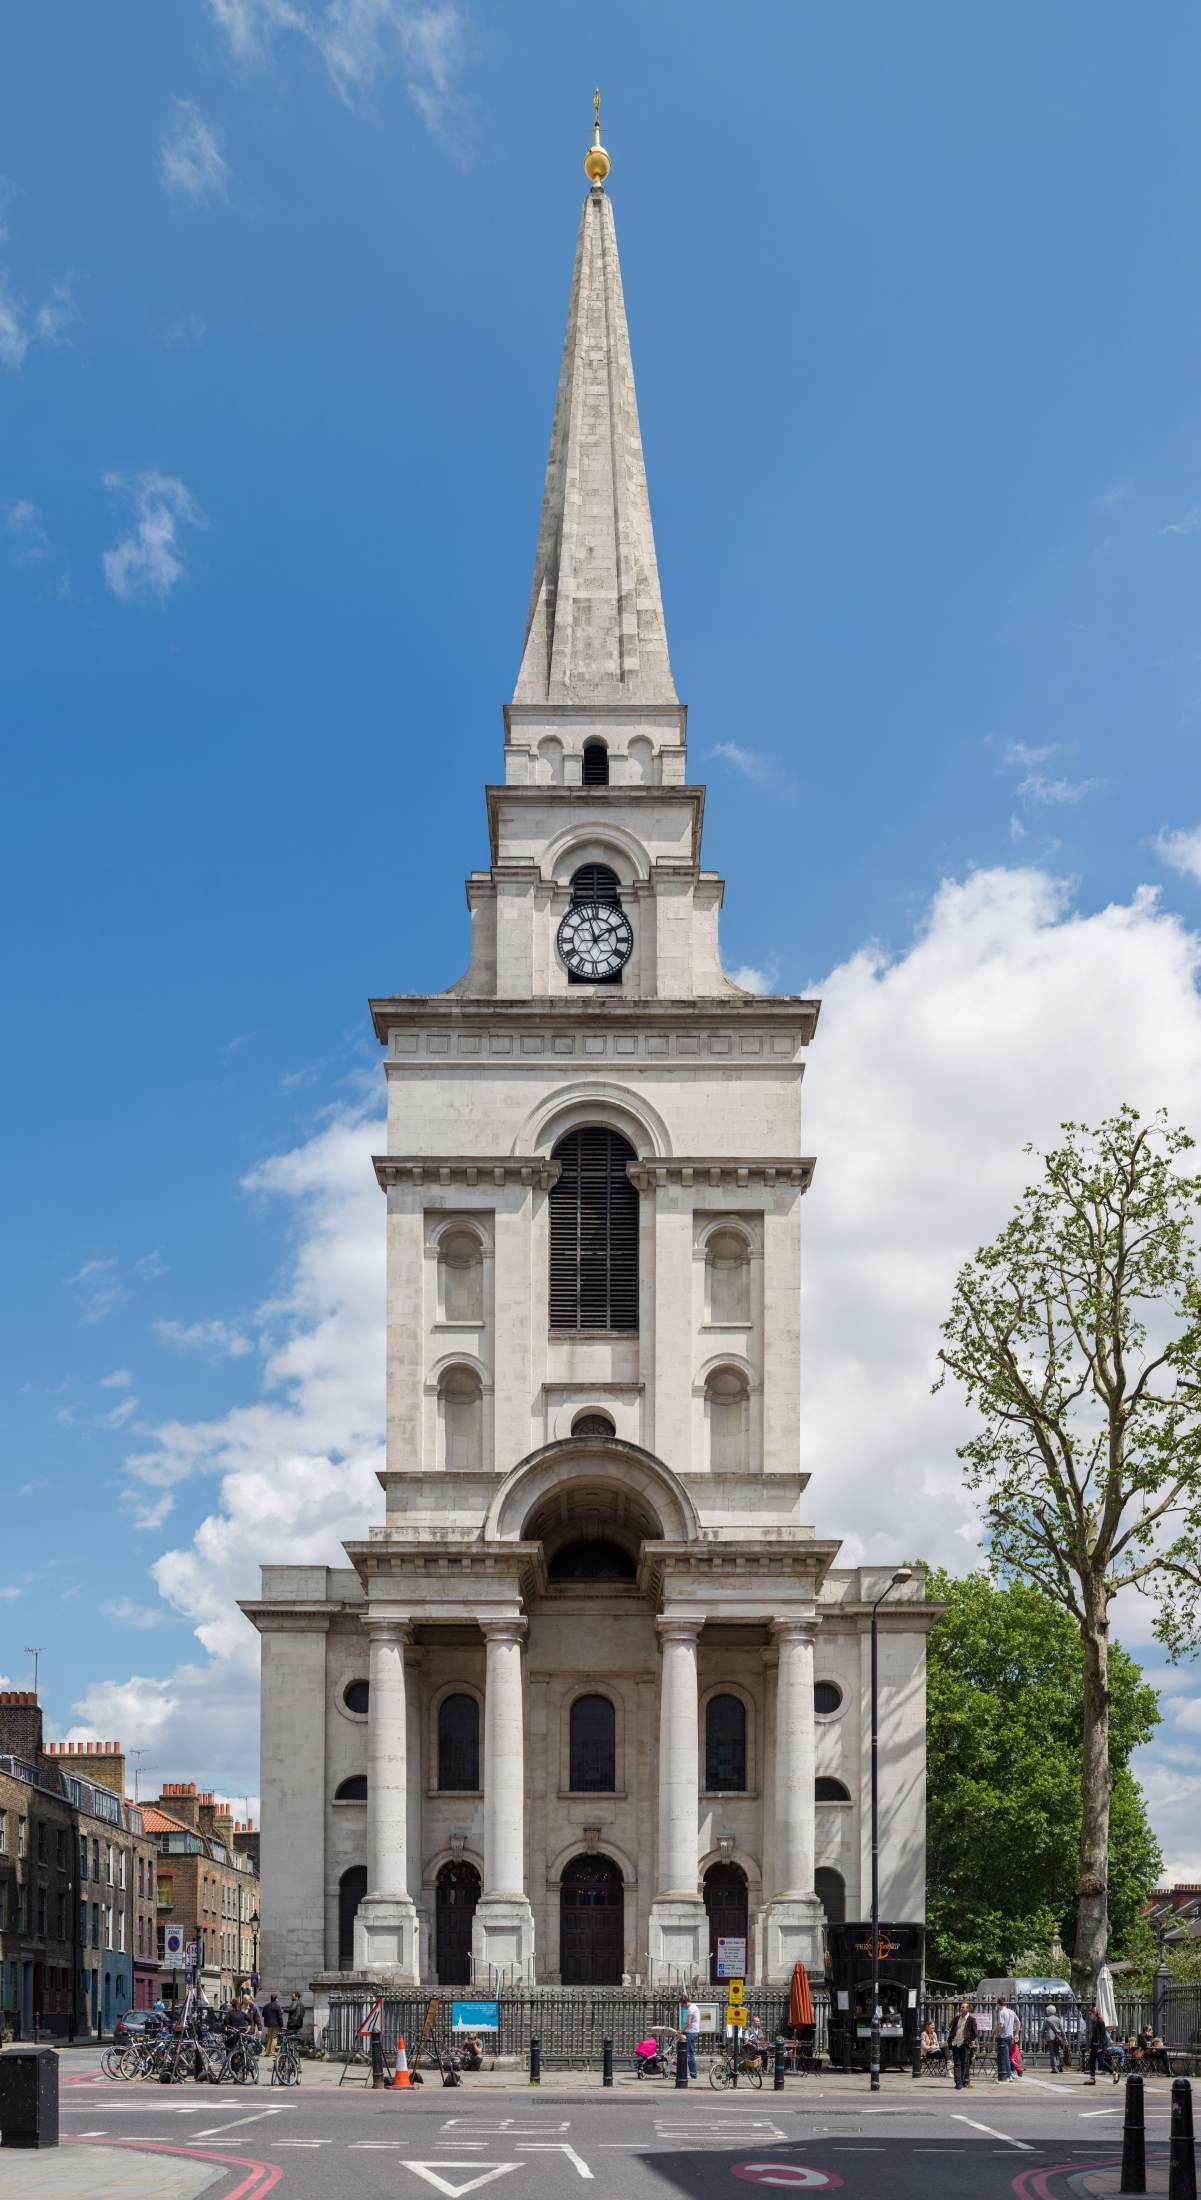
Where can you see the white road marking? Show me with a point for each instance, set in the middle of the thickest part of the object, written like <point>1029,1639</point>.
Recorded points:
<point>554,2146</point>
<point>1002,2135</point>
<point>505,2129</point>
<point>91,2134</point>
<point>1085,2113</point>
<point>212,2130</point>
<point>454,2191</point>
<point>303,2142</point>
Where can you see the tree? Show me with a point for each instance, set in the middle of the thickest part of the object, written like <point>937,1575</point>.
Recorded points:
<point>1077,1338</point>
<point>1004,1673</point>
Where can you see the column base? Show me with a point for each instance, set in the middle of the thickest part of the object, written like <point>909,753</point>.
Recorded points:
<point>679,1940</point>
<point>792,1933</point>
<point>502,1941</point>
<point>386,1940</point>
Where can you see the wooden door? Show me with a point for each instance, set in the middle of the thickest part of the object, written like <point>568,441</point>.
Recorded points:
<point>458,1891</point>
<point>726,1906</point>
<point>591,1922</point>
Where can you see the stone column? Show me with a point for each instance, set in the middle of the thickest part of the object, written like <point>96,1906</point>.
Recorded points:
<point>679,1928</point>
<point>503,1933</point>
<point>414,1767</point>
<point>385,1937</point>
<point>794,1913</point>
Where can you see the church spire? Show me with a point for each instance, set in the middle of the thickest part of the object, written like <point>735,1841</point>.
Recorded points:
<point>595,632</point>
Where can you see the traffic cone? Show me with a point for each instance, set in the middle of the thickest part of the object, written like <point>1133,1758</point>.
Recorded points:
<point>402,2077</point>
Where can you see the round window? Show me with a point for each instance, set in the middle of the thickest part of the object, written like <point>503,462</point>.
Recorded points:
<point>827,1698</point>
<point>356,1696</point>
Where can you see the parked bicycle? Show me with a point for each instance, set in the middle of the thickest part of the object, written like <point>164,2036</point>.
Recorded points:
<point>722,2069</point>
<point>285,2068</point>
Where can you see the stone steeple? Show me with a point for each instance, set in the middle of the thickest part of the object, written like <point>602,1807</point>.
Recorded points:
<point>595,633</point>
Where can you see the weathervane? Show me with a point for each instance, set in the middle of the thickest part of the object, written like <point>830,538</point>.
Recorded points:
<point>596,161</point>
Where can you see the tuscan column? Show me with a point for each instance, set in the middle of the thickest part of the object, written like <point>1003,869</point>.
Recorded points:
<point>795,1822</point>
<point>679,1759</point>
<point>504,1761</point>
<point>387,1770</point>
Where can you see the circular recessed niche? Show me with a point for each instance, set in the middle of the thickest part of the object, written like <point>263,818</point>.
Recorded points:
<point>356,1696</point>
<point>593,1423</point>
<point>827,1698</point>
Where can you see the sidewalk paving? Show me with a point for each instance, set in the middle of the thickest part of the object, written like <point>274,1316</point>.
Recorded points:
<point>103,2173</point>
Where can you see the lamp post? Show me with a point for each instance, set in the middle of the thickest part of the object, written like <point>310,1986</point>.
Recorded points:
<point>903,1573</point>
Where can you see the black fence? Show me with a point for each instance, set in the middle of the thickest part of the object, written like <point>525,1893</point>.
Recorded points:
<point>571,2026</point>
<point>1175,2016</point>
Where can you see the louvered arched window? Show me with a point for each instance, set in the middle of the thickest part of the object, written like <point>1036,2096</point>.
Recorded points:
<point>593,1233</point>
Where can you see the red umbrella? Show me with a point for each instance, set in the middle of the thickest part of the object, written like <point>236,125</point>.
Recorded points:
<point>800,2000</point>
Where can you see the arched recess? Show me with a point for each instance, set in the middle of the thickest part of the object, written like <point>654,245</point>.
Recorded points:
<point>595,1231</point>
<point>594,768</point>
<point>727,1752</point>
<point>591,1921</point>
<point>550,761</point>
<point>831,1890</point>
<point>573,1105</point>
<point>642,761</point>
<point>625,1468</point>
<point>460,1252</point>
<point>592,1743</point>
<point>728,1254</point>
<point>595,843</point>
<point>728,1420</point>
<point>457,1755</point>
<point>457,1889</point>
<point>727,1906</point>
<point>352,1886</point>
<point>461,1418</point>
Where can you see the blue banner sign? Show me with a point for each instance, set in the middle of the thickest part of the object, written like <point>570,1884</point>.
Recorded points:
<point>475,2016</point>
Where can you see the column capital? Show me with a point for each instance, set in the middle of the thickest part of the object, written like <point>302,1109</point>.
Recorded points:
<point>673,1628</point>
<point>792,1627</point>
<point>504,1630</point>
<point>386,1631</point>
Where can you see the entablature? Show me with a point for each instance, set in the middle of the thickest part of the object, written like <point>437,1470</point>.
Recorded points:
<point>703,1021</point>
<point>715,1171</point>
<point>393,1169</point>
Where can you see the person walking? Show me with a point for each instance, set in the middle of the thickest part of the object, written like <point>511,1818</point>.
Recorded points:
<point>1099,2050</point>
<point>1054,2039</point>
<point>1006,2027</point>
<point>273,2019</point>
<point>964,2033</point>
<point>692,2031</point>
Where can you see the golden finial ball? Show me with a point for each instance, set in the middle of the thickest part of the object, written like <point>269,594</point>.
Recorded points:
<point>596,162</point>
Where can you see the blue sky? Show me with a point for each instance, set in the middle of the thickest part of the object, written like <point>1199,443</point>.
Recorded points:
<point>915,310</point>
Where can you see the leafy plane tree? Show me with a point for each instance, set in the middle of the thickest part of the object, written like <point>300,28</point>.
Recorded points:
<point>1077,1338</point>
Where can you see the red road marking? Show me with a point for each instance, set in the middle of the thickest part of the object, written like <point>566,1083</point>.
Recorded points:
<point>1032,2184</point>
<point>250,2188</point>
<point>795,2175</point>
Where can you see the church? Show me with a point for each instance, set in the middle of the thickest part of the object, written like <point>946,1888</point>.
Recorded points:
<point>594,1694</point>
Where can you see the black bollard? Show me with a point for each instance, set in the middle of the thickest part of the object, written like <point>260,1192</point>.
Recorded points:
<point>377,2061</point>
<point>681,2061</point>
<point>606,2062</point>
<point>535,2061</point>
<point>1134,2139</point>
<point>777,2081</point>
<point>1182,2159</point>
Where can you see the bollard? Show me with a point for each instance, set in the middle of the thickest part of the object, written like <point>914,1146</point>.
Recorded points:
<point>1182,2160</point>
<point>681,2061</point>
<point>1134,2139</point>
<point>737,2035</point>
<point>777,2081</point>
<point>28,2097</point>
<point>606,2062</point>
<point>377,2060</point>
<point>535,2061</point>
<point>915,2051</point>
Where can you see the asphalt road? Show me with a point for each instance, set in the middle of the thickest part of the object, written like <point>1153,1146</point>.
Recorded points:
<point>644,2142</point>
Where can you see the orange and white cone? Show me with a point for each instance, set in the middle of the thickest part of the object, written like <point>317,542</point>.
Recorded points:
<point>402,2077</point>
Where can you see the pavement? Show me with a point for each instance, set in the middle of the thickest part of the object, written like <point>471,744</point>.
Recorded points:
<point>1041,2139</point>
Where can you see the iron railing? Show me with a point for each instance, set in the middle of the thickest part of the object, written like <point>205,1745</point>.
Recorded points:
<point>572,2026</point>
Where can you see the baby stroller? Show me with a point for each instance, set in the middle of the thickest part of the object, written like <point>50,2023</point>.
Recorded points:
<point>654,2057</point>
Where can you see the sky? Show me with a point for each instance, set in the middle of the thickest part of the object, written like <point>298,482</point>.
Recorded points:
<point>917,329</point>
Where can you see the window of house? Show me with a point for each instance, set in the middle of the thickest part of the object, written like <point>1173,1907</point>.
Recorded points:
<point>3,1833</point>
<point>121,1868</point>
<point>592,1746</point>
<point>41,1913</point>
<point>22,1833</point>
<point>83,1856</point>
<point>460,1277</point>
<point>60,1848</point>
<point>725,1745</point>
<point>83,1924</point>
<point>62,1917</point>
<point>458,1744</point>
<point>827,1697</point>
<point>357,1697</point>
<point>594,1221</point>
<point>150,1883</point>
<point>41,1840</point>
<point>121,1928</point>
<point>95,1924</point>
<point>142,1876</point>
<point>95,1858</point>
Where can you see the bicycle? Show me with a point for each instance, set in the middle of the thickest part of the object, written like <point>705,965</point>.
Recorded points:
<point>285,2069</point>
<point>722,2069</point>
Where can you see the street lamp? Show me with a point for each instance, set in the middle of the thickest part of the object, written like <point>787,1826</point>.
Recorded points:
<point>903,1573</point>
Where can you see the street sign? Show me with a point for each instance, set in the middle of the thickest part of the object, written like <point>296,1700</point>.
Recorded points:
<point>187,1974</point>
<point>173,1948</point>
<point>731,1959</point>
<point>475,2016</point>
<point>795,2176</point>
<point>372,2022</point>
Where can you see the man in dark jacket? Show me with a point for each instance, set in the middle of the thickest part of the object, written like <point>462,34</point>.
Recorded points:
<point>273,2019</point>
<point>964,2033</point>
<point>1099,2049</point>
<point>296,2012</point>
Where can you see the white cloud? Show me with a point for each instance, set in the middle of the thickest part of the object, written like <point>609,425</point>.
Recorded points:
<point>190,154</point>
<point>23,521</point>
<point>7,1595</point>
<point>1186,526</point>
<point>1057,792</point>
<point>216,1338</point>
<point>1181,851</point>
<point>753,978</point>
<point>21,331</point>
<point>747,761</point>
<point>120,1379</point>
<point>120,1414</point>
<point>149,562</point>
<point>128,1614</point>
<point>98,1287</point>
<point>360,42</point>
<point>1028,759</point>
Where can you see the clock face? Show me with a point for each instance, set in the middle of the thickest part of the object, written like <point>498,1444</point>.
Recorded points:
<point>595,939</point>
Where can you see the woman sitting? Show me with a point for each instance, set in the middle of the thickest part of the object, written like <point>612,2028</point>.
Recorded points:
<point>934,2053</point>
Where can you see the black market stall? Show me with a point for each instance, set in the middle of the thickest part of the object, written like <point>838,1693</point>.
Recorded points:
<point>849,1981</point>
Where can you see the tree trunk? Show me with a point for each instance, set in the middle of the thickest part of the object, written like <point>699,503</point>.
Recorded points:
<point>1092,1886</point>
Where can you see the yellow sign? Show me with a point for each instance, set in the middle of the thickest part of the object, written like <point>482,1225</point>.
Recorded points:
<point>734,1997</point>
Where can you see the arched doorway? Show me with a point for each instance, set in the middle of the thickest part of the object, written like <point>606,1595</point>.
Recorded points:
<point>830,1888</point>
<point>352,1886</point>
<point>725,1906</point>
<point>456,1892</point>
<point>591,1922</point>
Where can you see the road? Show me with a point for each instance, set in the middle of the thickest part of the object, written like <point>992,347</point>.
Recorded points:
<point>637,2142</point>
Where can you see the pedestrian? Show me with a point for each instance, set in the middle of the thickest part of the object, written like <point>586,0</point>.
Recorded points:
<point>1054,2038</point>
<point>1006,2027</point>
<point>692,2030</point>
<point>964,2033</point>
<point>273,2019</point>
<point>295,2019</point>
<point>1099,2050</point>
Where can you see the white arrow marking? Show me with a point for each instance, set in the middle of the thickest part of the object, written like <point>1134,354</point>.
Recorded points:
<point>1002,2135</point>
<point>211,2130</point>
<point>553,2146</point>
<point>486,2171</point>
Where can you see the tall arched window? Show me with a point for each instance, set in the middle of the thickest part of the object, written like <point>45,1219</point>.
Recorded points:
<point>596,764</point>
<point>725,1745</point>
<point>726,1402</point>
<point>593,1233</point>
<point>831,1890</point>
<point>593,1746</point>
<point>728,1278</point>
<point>461,1408</point>
<point>460,1277</point>
<point>352,1886</point>
<point>458,1744</point>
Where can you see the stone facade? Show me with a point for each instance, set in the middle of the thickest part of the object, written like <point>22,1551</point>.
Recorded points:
<point>208,1887</point>
<point>594,1692</point>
